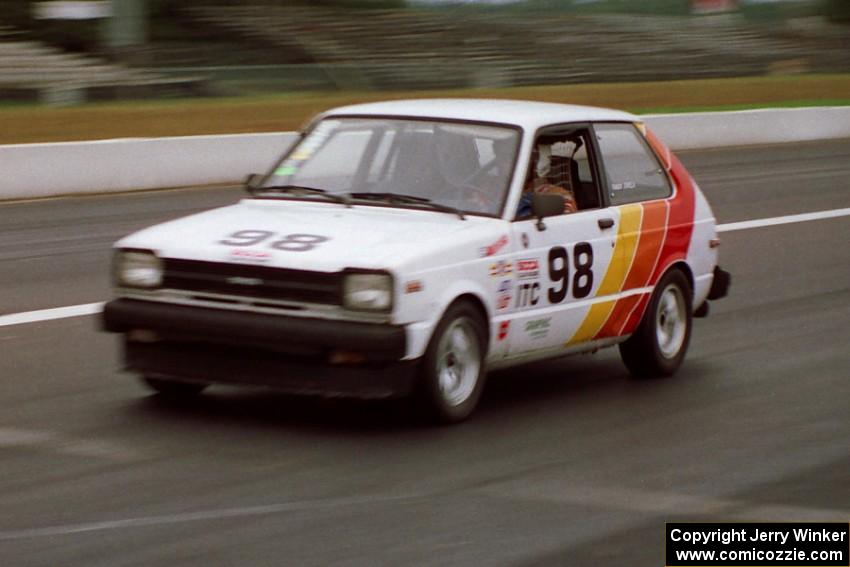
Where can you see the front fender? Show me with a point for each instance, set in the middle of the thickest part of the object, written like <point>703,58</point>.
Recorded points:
<point>419,333</point>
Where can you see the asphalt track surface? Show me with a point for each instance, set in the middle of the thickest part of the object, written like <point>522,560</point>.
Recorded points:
<point>566,463</point>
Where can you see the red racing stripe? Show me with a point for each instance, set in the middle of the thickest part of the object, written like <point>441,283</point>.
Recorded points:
<point>651,240</point>
<point>681,224</point>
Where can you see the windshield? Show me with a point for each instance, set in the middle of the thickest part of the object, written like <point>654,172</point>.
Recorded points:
<point>463,166</point>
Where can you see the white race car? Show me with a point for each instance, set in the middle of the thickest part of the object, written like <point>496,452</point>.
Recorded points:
<point>405,248</point>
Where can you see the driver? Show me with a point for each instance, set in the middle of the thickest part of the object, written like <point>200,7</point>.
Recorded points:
<point>471,186</point>
<point>538,181</point>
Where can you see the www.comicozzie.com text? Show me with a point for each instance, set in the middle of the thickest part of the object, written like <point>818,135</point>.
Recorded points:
<point>726,536</point>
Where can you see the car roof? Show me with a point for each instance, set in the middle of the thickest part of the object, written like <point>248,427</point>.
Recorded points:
<point>529,115</point>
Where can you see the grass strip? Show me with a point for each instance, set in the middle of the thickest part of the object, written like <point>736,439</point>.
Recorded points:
<point>183,117</point>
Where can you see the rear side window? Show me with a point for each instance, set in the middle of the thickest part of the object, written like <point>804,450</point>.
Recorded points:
<point>634,174</point>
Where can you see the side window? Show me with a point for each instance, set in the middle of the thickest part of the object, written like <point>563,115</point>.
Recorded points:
<point>560,163</point>
<point>634,173</point>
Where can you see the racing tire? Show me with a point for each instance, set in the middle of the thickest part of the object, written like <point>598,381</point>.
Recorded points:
<point>173,389</point>
<point>658,346</point>
<point>452,372</point>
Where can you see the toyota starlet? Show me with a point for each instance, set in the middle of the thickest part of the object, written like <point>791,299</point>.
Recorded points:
<point>406,248</point>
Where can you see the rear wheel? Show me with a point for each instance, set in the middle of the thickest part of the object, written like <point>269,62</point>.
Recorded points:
<point>173,389</point>
<point>452,372</point>
<point>658,346</point>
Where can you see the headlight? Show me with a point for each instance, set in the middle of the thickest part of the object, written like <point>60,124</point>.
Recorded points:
<point>137,269</point>
<point>368,292</point>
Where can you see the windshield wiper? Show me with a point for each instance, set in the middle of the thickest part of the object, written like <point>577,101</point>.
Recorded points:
<point>304,190</point>
<point>409,200</point>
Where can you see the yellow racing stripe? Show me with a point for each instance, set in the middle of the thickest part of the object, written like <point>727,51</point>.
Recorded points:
<point>625,246</point>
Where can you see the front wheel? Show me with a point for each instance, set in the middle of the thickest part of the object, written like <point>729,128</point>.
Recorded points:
<point>658,346</point>
<point>452,372</point>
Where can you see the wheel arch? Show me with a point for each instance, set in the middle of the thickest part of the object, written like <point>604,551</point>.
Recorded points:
<point>683,267</point>
<point>479,306</point>
<point>638,315</point>
<point>440,394</point>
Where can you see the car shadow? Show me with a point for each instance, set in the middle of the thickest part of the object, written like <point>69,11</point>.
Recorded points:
<point>510,394</point>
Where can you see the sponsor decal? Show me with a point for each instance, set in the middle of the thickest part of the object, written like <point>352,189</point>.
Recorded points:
<point>494,248</point>
<point>504,328</point>
<point>285,170</point>
<point>250,256</point>
<point>538,328</point>
<point>524,240</point>
<point>527,294</point>
<point>504,289</point>
<point>528,268</point>
<point>501,268</point>
<point>413,286</point>
<point>307,148</point>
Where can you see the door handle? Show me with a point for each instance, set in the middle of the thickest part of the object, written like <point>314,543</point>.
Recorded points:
<point>606,223</point>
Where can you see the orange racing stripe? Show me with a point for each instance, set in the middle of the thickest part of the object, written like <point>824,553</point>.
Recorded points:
<point>652,230</point>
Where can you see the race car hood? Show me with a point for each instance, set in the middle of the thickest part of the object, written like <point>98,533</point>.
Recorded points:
<point>320,236</point>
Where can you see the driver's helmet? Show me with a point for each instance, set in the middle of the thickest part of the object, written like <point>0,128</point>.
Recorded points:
<point>539,167</point>
<point>544,161</point>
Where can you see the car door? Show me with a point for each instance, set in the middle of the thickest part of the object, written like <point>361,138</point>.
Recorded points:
<point>558,275</point>
<point>559,266</point>
<point>587,276</point>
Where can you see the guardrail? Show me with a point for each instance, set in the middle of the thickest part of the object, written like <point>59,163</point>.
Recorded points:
<point>45,170</point>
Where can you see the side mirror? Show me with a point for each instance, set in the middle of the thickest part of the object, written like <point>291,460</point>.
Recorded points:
<point>252,182</point>
<point>546,205</point>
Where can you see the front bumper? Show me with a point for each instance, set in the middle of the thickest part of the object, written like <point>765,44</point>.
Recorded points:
<point>292,354</point>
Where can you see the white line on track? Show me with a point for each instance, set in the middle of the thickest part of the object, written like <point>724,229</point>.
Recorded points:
<point>788,219</point>
<point>50,314</point>
<point>613,498</point>
<point>262,510</point>
<point>93,308</point>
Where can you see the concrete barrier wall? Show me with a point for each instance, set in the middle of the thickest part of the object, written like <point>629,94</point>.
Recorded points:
<point>750,127</point>
<point>43,170</point>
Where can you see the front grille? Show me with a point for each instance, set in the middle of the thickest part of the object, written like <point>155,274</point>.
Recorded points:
<point>253,281</point>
